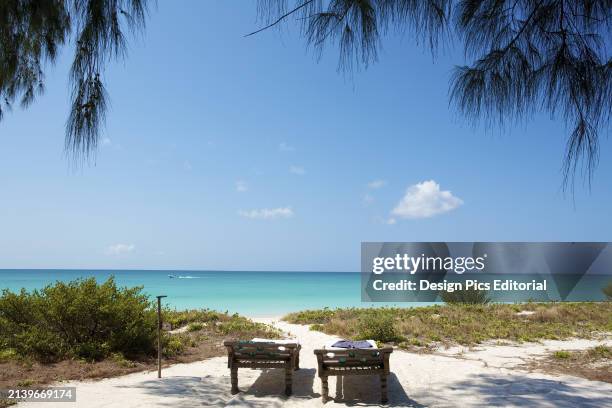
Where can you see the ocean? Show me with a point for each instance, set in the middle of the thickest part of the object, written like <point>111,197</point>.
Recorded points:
<point>250,293</point>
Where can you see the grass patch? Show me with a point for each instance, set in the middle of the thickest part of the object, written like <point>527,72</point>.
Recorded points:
<point>465,324</point>
<point>562,354</point>
<point>311,316</point>
<point>602,351</point>
<point>593,364</point>
<point>196,326</point>
<point>180,318</point>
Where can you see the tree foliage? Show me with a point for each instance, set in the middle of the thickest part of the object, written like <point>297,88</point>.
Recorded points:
<point>31,33</point>
<point>524,55</point>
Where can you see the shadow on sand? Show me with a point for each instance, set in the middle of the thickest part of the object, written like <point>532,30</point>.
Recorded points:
<point>268,389</point>
<point>189,392</point>
<point>364,390</point>
<point>271,382</point>
<point>521,390</point>
<point>477,390</point>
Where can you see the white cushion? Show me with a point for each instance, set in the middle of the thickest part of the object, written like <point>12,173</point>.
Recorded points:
<point>276,341</point>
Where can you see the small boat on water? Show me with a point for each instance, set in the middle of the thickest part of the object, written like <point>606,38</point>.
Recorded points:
<point>171,276</point>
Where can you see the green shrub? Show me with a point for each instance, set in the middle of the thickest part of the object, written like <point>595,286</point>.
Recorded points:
<point>173,345</point>
<point>238,325</point>
<point>379,327</point>
<point>562,354</point>
<point>601,351</point>
<point>310,316</point>
<point>81,319</point>
<point>608,291</point>
<point>42,345</point>
<point>180,318</point>
<point>7,354</point>
<point>466,296</point>
<point>122,361</point>
<point>196,326</point>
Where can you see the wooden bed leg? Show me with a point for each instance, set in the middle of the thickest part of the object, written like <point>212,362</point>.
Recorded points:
<point>383,389</point>
<point>234,379</point>
<point>288,379</point>
<point>324,389</point>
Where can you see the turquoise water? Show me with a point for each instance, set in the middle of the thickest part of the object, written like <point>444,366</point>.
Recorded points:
<point>249,293</point>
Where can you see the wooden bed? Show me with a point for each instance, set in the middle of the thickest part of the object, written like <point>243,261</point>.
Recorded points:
<point>263,354</point>
<point>341,362</point>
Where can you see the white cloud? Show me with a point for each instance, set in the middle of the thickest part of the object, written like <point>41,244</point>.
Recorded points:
<point>119,249</point>
<point>285,147</point>
<point>267,213</point>
<point>241,186</point>
<point>108,143</point>
<point>424,200</point>
<point>300,171</point>
<point>368,199</point>
<point>377,184</point>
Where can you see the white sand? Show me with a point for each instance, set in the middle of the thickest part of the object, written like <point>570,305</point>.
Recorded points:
<point>457,377</point>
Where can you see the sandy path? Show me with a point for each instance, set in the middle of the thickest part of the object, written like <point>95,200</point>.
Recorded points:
<point>457,378</point>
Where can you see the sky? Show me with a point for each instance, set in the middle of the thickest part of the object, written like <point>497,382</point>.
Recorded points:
<point>222,152</point>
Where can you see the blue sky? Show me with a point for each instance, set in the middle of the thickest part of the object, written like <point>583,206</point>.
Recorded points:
<point>225,152</point>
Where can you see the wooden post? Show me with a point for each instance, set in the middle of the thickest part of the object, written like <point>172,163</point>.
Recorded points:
<point>159,327</point>
<point>288,378</point>
<point>383,389</point>
<point>324,389</point>
<point>234,379</point>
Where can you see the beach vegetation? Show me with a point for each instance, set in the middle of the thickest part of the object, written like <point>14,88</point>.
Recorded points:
<point>195,326</point>
<point>240,326</point>
<point>465,324</point>
<point>174,345</point>
<point>562,354</point>
<point>313,316</point>
<point>608,291</point>
<point>7,354</point>
<point>25,383</point>
<point>180,318</point>
<point>378,326</point>
<point>78,319</point>
<point>122,361</point>
<point>594,363</point>
<point>83,330</point>
<point>466,296</point>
